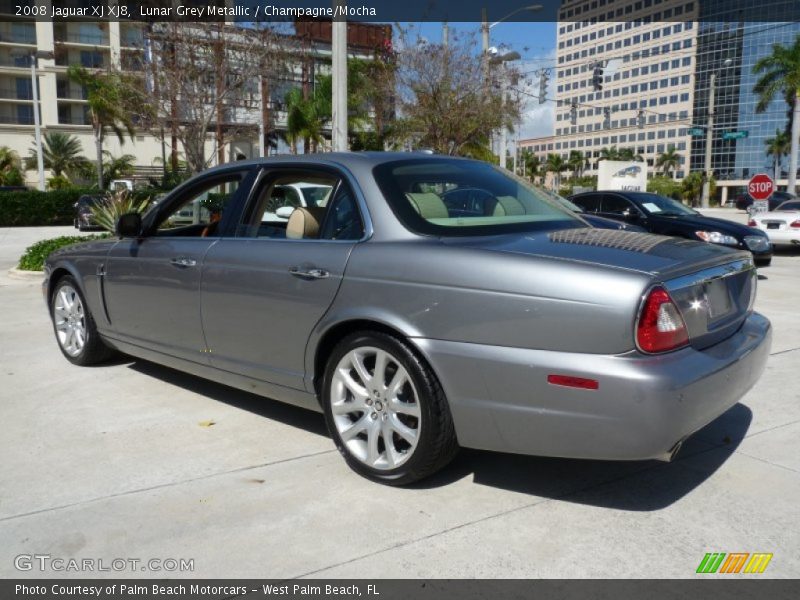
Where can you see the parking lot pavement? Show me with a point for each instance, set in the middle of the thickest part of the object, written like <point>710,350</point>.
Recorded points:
<point>122,461</point>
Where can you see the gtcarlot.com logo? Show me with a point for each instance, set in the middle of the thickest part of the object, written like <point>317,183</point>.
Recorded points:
<point>734,562</point>
<point>47,562</point>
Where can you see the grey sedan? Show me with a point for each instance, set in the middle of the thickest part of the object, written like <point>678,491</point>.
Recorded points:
<point>426,304</point>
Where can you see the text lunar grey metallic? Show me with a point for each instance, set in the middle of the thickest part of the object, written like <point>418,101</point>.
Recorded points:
<point>529,333</point>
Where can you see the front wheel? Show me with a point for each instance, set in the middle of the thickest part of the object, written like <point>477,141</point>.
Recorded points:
<point>74,326</point>
<point>386,410</point>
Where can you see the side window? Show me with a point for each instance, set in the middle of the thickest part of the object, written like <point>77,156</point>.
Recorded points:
<point>616,205</point>
<point>343,221</point>
<point>198,211</point>
<point>290,205</point>
<point>590,203</point>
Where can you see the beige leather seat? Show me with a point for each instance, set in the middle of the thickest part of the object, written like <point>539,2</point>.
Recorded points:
<point>508,205</point>
<point>428,205</point>
<point>304,223</point>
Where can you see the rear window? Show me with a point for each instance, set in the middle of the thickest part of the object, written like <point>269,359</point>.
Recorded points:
<point>452,197</point>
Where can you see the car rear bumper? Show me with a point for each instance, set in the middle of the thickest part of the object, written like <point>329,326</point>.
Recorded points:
<point>783,237</point>
<point>644,405</point>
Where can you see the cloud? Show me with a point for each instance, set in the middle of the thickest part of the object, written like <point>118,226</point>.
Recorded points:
<point>538,120</point>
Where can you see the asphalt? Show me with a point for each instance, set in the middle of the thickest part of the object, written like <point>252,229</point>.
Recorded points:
<point>135,461</point>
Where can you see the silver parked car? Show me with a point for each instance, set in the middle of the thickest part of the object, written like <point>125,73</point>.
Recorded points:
<point>431,303</point>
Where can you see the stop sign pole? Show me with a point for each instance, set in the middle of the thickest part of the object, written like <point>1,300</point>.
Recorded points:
<point>760,189</point>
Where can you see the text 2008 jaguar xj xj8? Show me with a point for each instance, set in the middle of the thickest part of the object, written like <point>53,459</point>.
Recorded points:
<point>423,304</point>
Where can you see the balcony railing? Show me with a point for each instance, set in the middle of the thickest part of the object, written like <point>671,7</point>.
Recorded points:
<point>70,120</point>
<point>21,62</point>
<point>90,39</point>
<point>18,37</point>
<point>16,120</point>
<point>10,93</point>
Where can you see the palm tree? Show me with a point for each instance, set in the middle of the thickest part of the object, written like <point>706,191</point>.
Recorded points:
<point>303,120</point>
<point>530,163</point>
<point>575,162</point>
<point>781,73</point>
<point>611,153</point>
<point>555,164</point>
<point>777,148</point>
<point>61,153</point>
<point>669,160</point>
<point>10,166</point>
<point>108,96</point>
<point>629,154</point>
<point>117,167</point>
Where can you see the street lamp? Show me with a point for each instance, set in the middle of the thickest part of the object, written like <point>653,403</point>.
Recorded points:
<point>485,26</point>
<point>33,56</point>
<point>339,76</point>
<point>706,196</point>
<point>502,59</point>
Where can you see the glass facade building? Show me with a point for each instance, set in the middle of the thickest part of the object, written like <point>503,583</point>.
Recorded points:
<point>730,47</point>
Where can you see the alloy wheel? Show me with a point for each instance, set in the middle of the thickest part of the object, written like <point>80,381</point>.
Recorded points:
<point>70,320</point>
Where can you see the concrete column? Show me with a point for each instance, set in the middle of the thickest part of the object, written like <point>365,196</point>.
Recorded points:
<point>724,199</point>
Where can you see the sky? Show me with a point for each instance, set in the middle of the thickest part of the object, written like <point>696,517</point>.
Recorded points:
<point>536,43</point>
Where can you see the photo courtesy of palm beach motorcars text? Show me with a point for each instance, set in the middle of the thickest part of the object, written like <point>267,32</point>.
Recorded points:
<point>399,300</point>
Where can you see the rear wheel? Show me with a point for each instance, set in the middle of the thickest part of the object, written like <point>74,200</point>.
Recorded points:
<point>386,410</point>
<point>74,326</point>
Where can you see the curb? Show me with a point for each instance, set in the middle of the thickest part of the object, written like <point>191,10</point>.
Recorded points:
<point>15,273</point>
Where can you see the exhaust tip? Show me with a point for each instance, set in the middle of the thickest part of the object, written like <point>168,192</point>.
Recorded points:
<point>670,454</point>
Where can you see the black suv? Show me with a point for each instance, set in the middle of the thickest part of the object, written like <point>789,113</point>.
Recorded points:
<point>659,214</point>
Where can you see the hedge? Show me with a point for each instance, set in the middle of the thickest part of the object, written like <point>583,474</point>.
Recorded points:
<point>34,257</point>
<point>33,208</point>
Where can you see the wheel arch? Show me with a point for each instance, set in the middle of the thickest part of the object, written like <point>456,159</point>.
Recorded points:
<point>57,274</point>
<point>328,337</point>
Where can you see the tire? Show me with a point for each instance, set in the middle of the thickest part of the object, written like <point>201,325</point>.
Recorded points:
<point>408,408</point>
<point>763,263</point>
<point>74,327</point>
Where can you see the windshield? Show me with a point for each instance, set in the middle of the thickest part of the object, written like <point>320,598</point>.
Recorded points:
<point>653,204</point>
<point>316,195</point>
<point>452,197</point>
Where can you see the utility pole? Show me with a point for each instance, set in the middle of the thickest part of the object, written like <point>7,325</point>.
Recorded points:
<point>339,74</point>
<point>445,34</point>
<point>37,123</point>
<point>705,199</point>
<point>503,128</point>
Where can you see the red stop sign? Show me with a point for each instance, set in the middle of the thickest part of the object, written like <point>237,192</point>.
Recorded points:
<point>761,186</point>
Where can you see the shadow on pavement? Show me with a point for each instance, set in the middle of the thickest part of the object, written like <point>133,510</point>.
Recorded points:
<point>631,486</point>
<point>263,407</point>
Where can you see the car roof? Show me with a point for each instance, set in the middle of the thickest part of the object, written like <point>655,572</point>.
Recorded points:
<point>345,159</point>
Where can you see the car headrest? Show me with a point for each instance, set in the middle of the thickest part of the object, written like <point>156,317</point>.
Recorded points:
<point>304,222</point>
<point>428,205</point>
<point>508,205</point>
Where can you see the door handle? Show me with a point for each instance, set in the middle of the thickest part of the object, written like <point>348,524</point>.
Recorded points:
<point>183,261</point>
<point>312,273</point>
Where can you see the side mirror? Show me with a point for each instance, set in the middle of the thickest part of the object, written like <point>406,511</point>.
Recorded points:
<point>284,212</point>
<point>129,225</point>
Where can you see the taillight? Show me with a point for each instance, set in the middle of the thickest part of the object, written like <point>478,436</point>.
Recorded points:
<point>661,327</point>
<point>795,224</point>
<point>751,223</point>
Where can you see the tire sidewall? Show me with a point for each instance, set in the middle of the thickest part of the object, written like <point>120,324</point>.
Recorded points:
<point>422,384</point>
<point>81,358</point>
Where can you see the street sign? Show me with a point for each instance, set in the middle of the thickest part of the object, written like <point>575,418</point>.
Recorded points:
<point>760,187</point>
<point>696,131</point>
<point>735,135</point>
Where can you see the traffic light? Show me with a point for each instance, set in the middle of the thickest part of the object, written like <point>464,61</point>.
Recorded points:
<point>544,76</point>
<point>597,77</point>
<point>607,118</point>
<point>640,120</point>
<point>573,113</point>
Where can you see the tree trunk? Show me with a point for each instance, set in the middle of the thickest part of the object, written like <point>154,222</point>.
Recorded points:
<point>792,184</point>
<point>98,143</point>
<point>777,162</point>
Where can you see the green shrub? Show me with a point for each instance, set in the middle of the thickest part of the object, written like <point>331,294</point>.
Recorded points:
<point>34,208</point>
<point>113,206</point>
<point>34,257</point>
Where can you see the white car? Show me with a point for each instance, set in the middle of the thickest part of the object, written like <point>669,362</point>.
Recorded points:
<point>284,198</point>
<point>781,225</point>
